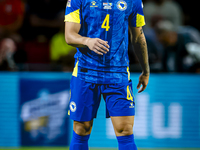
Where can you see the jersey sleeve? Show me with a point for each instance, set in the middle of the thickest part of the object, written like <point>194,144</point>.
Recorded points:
<point>72,12</point>
<point>136,19</point>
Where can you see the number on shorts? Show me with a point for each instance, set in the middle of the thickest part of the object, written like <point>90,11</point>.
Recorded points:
<point>129,95</point>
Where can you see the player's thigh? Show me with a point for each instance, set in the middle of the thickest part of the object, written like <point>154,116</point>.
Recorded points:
<point>82,128</point>
<point>123,125</point>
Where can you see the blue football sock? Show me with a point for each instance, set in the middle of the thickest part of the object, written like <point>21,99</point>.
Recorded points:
<point>79,142</point>
<point>126,142</point>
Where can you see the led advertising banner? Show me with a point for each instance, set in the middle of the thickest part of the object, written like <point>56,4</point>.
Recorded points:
<point>167,114</point>
<point>9,118</point>
<point>43,112</point>
<point>34,111</point>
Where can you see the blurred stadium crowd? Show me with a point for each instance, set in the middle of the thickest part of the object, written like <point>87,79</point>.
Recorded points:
<point>32,36</point>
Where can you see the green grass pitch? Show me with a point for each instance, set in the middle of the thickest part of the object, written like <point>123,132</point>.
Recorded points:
<point>66,148</point>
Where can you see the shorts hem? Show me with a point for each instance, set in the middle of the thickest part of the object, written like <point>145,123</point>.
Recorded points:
<point>81,120</point>
<point>120,115</point>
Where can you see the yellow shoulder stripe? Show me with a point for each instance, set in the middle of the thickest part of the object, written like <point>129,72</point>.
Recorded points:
<point>73,16</point>
<point>140,20</point>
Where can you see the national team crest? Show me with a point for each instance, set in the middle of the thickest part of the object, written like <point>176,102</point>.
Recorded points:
<point>121,5</point>
<point>72,106</point>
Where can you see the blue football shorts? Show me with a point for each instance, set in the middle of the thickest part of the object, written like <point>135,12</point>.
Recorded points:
<point>86,97</point>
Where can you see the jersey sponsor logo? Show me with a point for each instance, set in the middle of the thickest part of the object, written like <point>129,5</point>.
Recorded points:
<point>107,5</point>
<point>121,5</point>
<point>72,106</point>
<point>93,4</point>
<point>69,3</point>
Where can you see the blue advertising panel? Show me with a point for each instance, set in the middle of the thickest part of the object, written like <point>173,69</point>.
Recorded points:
<point>33,111</point>
<point>167,114</point>
<point>9,101</point>
<point>43,111</point>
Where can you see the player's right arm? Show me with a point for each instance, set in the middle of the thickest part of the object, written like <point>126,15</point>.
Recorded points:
<point>72,28</point>
<point>74,39</point>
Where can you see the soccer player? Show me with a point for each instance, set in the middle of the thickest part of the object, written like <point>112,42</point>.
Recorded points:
<point>99,29</point>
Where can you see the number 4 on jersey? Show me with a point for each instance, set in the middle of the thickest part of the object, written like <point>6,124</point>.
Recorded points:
<point>105,24</point>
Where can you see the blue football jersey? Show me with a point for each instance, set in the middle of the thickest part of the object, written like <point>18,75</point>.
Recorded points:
<point>109,21</point>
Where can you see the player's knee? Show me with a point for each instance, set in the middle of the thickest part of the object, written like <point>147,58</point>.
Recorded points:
<point>83,128</point>
<point>124,129</point>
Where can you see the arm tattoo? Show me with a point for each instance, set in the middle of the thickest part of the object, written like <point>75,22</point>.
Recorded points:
<point>140,48</point>
<point>141,31</point>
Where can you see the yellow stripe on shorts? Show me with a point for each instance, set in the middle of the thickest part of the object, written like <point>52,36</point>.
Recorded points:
<point>75,71</point>
<point>128,73</point>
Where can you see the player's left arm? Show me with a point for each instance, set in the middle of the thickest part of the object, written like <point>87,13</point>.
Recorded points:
<point>139,42</point>
<point>136,21</point>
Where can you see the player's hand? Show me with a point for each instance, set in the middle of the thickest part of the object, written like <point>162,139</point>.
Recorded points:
<point>97,45</point>
<point>143,80</point>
